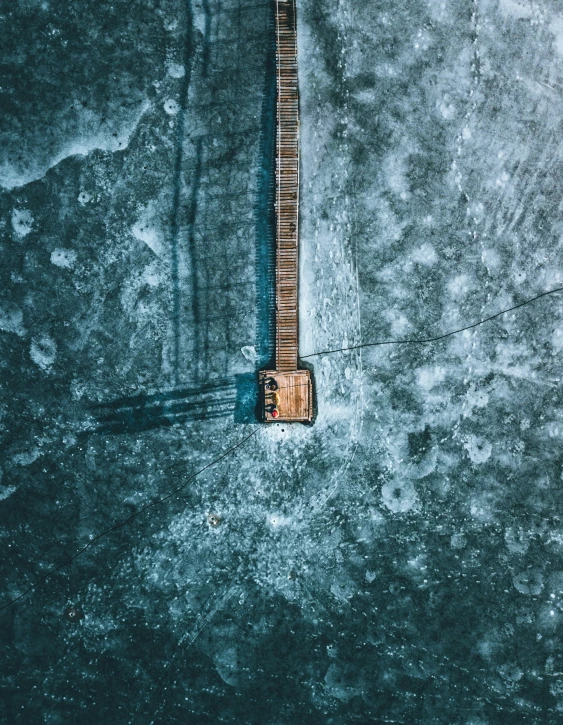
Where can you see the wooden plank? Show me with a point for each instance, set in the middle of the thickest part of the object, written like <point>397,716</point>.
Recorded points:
<point>293,394</point>
<point>287,186</point>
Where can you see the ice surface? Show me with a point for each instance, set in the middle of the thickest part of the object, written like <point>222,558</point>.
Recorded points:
<point>399,561</point>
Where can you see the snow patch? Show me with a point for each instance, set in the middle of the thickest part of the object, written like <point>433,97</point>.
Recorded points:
<point>428,377</point>
<point>6,491</point>
<point>517,540</point>
<point>93,133</point>
<point>146,232</point>
<point>176,70</point>
<point>459,286</point>
<point>557,339</point>
<point>151,275</point>
<point>395,169</point>
<point>447,111</point>
<point>277,521</point>
<point>366,95</point>
<point>43,351</point>
<point>475,398</point>
<point>458,541</point>
<point>63,257</point>
<point>425,254</point>
<point>478,449</point>
<point>519,276</point>
<point>11,318</point>
<point>490,259</point>
<point>517,9</point>
<point>249,352</point>
<point>26,458</point>
<point>399,497</point>
<point>22,223</point>
<point>171,107</point>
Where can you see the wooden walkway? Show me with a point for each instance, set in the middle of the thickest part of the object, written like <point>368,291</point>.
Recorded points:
<point>287,391</point>
<point>287,186</point>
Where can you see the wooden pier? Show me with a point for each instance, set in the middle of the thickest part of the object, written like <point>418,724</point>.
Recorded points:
<point>287,392</point>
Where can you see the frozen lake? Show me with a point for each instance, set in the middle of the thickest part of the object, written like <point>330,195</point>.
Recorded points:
<point>400,561</point>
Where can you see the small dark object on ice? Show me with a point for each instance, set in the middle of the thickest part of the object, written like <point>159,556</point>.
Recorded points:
<point>73,614</point>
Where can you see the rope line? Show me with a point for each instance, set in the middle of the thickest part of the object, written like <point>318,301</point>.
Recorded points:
<point>438,337</point>
<point>121,524</point>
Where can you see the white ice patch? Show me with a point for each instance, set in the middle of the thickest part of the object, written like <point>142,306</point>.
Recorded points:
<point>26,458</point>
<point>557,339</point>
<point>517,540</point>
<point>425,254</point>
<point>447,111</point>
<point>146,232</point>
<point>476,211</point>
<point>11,318</point>
<point>478,449</point>
<point>176,70</point>
<point>151,275</point>
<point>395,170</point>
<point>399,323</point>
<point>459,286</point>
<point>482,507</point>
<point>22,222</point>
<point>529,582</point>
<point>277,521</point>
<point>93,132</point>
<point>475,398</point>
<point>399,497</point>
<point>43,351</point>
<point>519,276</point>
<point>249,352</point>
<point>458,541</point>
<point>503,179</point>
<point>366,95</point>
<point>490,259</point>
<point>6,491</point>
<point>171,107</point>
<point>63,258</point>
<point>428,377</point>
<point>517,9</point>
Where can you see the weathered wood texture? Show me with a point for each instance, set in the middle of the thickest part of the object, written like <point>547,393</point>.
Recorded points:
<point>293,397</point>
<point>287,393</point>
<point>287,187</point>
